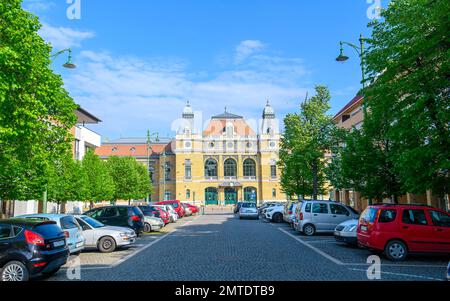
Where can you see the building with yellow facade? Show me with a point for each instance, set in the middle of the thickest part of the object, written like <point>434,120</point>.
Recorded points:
<point>222,163</point>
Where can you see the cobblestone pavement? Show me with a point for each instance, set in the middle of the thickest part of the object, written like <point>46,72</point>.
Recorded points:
<point>219,246</point>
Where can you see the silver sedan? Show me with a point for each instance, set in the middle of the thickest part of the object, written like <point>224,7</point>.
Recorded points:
<point>248,210</point>
<point>104,238</point>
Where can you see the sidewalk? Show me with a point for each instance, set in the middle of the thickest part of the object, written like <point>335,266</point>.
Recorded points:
<point>214,209</point>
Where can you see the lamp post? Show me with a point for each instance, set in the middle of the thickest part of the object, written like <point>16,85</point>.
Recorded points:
<point>361,52</point>
<point>69,65</point>
<point>149,153</point>
<point>164,174</point>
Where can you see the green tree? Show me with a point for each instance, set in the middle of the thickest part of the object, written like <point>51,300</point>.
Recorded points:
<point>307,137</point>
<point>100,184</point>
<point>67,182</point>
<point>131,179</point>
<point>408,67</point>
<point>144,186</point>
<point>36,112</point>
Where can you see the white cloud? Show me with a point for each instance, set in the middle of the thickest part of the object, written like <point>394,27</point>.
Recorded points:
<point>133,94</point>
<point>247,48</point>
<point>64,37</point>
<point>37,5</point>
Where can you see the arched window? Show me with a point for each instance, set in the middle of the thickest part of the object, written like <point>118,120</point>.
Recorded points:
<point>210,168</point>
<point>249,168</point>
<point>230,168</point>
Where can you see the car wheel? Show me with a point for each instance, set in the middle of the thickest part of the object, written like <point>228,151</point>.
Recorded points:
<point>277,218</point>
<point>396,250</point>
<point>147,228</point>
<point>51,273</point>
<point>107,244</point>
<point>309,230</point>
<point>14,271</point>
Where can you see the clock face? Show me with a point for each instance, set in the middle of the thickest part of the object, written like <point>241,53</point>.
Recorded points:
<point>272,144</point>
<point>187,144</point>
<point>230,144</point>
<point>249,145</point>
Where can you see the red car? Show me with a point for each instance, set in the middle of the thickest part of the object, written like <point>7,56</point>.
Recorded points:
<point>401,229</point>
<point>176,206</point>
<point>164,215</point>
<point>194,209</point>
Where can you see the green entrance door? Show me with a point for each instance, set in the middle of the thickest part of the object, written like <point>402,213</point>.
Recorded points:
<point>250,194</point>
<point>230,196</point>
<point>211,196</point>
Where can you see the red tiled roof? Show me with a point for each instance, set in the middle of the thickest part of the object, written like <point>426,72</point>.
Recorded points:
<point>355,100</point>
<point>134,150</point>
<point>216,126</point>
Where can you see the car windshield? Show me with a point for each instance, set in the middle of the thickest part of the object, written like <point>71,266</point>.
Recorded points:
<point>248,205</point>
<point>92,222</point>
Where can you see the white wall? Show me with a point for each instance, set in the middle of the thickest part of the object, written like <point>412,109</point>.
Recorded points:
<point>86,136</point>
<point>31,207</point>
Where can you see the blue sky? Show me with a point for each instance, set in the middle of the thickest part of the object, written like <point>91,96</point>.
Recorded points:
<point>140,60</point>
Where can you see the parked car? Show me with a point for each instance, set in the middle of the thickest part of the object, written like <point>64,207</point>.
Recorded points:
<point>322,216</point>
<point>173,216</point>
<point>164,215</point>
<point>121,216</point>
<point>262,210</point>
<point>104,238</point>
<point>237,207</point>
<point>72,230</point>
<point>187,209</point>
<point>275,213</point>
<point>31,247</point>
<point>289,212</point>
<point>346,232</point>
<point>398,230</point>
<point>296,219</point>
<point>248,210</point>
<point>150,210</point>
<point>179,209</point>
<point>194,209</point>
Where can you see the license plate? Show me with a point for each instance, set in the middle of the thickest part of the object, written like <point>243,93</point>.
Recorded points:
<point>363,228</point>
<point>59,243</point>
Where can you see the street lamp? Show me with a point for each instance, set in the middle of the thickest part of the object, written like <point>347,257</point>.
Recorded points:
<point>68,64</point>
<point>361,52</point>
<point>149,153</point>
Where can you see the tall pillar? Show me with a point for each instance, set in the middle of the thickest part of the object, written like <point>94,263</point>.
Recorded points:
<point>358,201</point>
<point>432,200</point>
<point>346,197</point>
<point>336,195</point>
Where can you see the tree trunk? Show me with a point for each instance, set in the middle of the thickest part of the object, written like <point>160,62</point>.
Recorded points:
<point>1,209</point>
<point>63,207</point>
<point>315,181</point>
<point>91,205</point>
